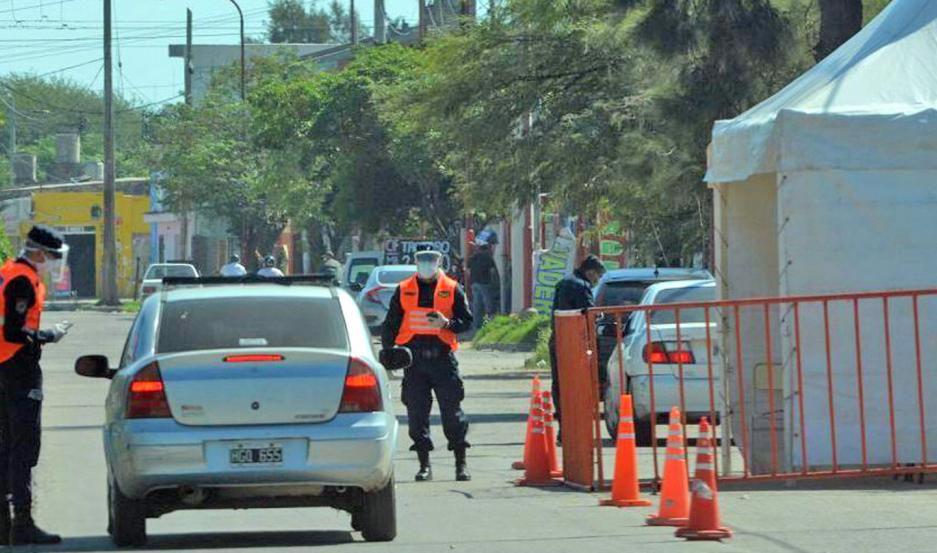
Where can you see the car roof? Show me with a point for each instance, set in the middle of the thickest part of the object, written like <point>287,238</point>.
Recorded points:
<point>675,284</point>
<point>247,291</point>
<point>171,265</point>
<point>652,273</point>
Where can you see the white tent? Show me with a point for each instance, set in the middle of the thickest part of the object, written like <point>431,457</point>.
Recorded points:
<point>831,186</point>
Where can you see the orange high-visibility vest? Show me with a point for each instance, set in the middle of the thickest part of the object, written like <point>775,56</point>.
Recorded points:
<point>8,272</point>
<point>415,321</point>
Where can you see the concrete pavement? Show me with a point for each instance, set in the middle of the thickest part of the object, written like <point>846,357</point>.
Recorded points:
<point>486,515</point>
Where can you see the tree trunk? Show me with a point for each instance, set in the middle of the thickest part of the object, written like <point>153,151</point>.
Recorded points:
<point>839,20</point>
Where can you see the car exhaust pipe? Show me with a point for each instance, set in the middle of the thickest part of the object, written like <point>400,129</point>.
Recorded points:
<point>192,496</point>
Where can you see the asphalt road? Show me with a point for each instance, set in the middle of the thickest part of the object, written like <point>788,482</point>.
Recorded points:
<point>487,515</point>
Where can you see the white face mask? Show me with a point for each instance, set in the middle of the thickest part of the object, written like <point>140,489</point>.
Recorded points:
<point>427,269</point>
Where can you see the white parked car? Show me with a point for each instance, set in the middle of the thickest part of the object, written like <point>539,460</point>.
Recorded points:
<point>250,395</point>
<point>155,273</point>
<point>374,297</point>
<point>667,356</point>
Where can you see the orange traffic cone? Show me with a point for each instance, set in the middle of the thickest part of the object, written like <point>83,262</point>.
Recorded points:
<point>534,402</point>
<point>625,491</point>
<point>537,472</point>
<point>704,521</point>
<point>675,491</point>
<point>547,398</point>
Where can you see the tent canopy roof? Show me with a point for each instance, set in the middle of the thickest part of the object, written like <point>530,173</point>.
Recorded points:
<point>871,104</point>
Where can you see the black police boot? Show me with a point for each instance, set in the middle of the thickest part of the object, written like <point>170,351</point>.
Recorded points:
<point>6,523</point>
<point>26,532</point>
<point>426,471</point>
<point>461,467</point>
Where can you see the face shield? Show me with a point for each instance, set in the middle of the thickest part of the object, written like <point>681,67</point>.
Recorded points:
<point>53,267</point>
<point>428,264</point>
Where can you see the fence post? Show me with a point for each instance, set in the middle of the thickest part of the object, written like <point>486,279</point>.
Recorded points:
<point>578,398</point>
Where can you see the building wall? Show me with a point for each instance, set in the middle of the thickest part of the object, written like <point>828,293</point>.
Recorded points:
<point>74,210</point>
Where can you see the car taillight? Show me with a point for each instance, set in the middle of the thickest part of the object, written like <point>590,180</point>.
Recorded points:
<point>372,295</point>
<point>148,289</point>
<point>362,392</point>
<point>147,397</point>
<point>657,354</point>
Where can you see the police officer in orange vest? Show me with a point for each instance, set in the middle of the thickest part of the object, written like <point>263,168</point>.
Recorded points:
<point>21,284</point>
<point>426,313</point>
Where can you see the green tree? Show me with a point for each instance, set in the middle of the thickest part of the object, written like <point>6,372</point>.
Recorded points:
<point>47,106</point>
<point>291,22</point>
<point>378,175</point>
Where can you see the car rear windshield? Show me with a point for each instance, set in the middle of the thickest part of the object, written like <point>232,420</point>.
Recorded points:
<point>626,292</point>
<point>163,271</point>
<point>254,322</point>
<point>683,295</point>
<point>394,277</point>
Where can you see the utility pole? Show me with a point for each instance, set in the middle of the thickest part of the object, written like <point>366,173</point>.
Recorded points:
<point>188,57</point>
<point>380,24</point>
<point>354,24</point>
<point>109,270</point>
<point>243,64</point>
<point>12,149</point>
<point>422,20</point>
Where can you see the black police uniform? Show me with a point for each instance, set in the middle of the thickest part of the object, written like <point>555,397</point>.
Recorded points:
<point>21,404</point>
<point>572,293</point>
<point>434,369</point>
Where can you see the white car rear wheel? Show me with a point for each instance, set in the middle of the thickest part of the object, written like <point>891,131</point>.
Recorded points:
<point>378,516</point>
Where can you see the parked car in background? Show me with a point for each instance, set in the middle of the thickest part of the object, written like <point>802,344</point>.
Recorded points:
<point>358,267</point>
<point>667,356</point>
<point>211,409</point>
<point>375,295</point>
<point>620,287</point>
<point>153,277</point>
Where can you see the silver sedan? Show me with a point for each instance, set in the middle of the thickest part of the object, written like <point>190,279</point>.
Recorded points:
<point>248,395</point>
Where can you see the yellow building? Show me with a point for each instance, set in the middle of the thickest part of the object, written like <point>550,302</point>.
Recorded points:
<point>77,212</point>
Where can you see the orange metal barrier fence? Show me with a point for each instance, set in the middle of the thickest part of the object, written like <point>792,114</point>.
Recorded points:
<point>817,386</point>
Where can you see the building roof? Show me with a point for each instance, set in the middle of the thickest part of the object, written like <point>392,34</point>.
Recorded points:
<point>135,186</point>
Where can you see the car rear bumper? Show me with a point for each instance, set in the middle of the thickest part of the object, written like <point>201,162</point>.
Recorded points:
<point>667,395</point>
<point>352,450</point>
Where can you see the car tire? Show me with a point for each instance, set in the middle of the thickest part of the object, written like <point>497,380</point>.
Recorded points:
<point>642,433</point>
<point>611,419</point>
<point>377,517</point>
<point>126,518</point>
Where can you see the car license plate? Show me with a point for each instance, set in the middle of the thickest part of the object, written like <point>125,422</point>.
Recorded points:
<point>252,456</point>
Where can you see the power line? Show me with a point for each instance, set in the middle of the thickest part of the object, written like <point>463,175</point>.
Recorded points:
<point>13,9</point>
<point>69,67</point>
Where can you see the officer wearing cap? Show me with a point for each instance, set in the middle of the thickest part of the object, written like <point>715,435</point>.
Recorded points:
<point>23,291</point>
<point>426,313</point>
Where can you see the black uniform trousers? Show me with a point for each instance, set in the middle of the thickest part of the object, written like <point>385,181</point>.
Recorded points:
<point>20,424</point>
<point>434,371</point>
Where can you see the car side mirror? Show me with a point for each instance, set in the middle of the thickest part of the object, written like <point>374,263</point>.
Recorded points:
<point>94,366</point>
<point>355,287</point>
<point>396,358</point>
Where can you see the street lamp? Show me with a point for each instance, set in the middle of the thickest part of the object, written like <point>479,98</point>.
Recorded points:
<point>241,15</point>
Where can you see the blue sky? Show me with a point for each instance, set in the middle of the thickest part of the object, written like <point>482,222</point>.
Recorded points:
<point>63,37</point>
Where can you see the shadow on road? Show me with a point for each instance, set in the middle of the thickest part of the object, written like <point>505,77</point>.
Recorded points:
<point>478,419</point>
<point>220,541</point>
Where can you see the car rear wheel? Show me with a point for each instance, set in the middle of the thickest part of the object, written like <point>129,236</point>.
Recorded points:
<point>611,418</point>
<point>126,518</point>
<point>377,518</point>
<point>642,433</point>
